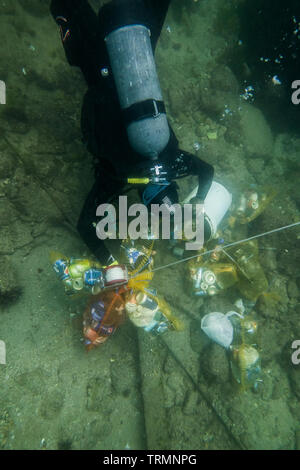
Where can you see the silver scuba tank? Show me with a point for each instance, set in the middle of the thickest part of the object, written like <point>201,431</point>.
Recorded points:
<point>134,71</point>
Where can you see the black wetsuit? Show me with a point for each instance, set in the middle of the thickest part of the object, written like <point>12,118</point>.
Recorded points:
<point>102,123</point>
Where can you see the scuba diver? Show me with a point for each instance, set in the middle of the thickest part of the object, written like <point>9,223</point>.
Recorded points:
<point>124,122</point>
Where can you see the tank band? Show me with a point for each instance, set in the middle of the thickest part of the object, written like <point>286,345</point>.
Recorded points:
<point>142,110</point>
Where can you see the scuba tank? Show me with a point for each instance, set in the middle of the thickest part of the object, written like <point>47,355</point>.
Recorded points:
<point>127,38</point>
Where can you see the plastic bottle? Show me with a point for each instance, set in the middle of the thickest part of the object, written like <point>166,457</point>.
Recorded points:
<point>211,278</point>
<point>245,366</point>
<point>252,279</point>
<point>253,202</point>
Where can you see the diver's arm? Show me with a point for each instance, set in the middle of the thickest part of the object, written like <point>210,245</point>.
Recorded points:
<point>205,173</point>
<point>102,192</point>
<point>185,164</point>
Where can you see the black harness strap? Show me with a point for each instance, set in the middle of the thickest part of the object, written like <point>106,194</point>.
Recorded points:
<point>142,110</point>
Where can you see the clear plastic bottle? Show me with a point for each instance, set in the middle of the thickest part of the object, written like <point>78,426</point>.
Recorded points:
<point>245,330</point>
<point>245,365</point>
<point>211,278</point>
<point>252,279</point>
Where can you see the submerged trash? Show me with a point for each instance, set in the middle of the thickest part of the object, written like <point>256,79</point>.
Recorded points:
<point>245,366</point>
<point>102,316</point>
<point>252,203</point>
<point>212,276</point>
<point>150,312</point>
<point>226,265</point>
<point>219,328</point>
<point>237,334</point>
<point>113,288</point>
<point>84,274</point>
<point>209,279</point>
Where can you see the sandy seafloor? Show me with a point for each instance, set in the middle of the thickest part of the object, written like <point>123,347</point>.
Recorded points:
<point>139,392</point>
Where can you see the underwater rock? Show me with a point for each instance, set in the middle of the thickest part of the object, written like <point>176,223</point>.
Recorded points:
<point>31,381</point>
<point>268,260</point>
<point>294,375</point>
<point>256,133</point>
<point>64,444</point>
<point>175,389</point>
<point>8,8</point>
<point>215,365</point>
<point>35,8</point>
<point>6,426</point>
<point>298,439</point>
<point>7,166</point>
<point>219,95</point>
<point>281,388</point>
<point>222,78</point>
<point>215,102</point>
<point>10,288</point>
<point>288,260</point>
<point>122,384</point>
<point>51,404</point>
<point>292,289</point>
<point>274,303</point>
<point>198,340</point>
<point>99,395</point>
<point>191,402</point>
<point>14,231</point>
<point>15,119</point>
<point>269,426</point>
<point>256,166</point>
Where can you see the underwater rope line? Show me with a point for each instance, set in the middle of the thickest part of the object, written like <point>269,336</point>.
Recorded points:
<point>227,246</point>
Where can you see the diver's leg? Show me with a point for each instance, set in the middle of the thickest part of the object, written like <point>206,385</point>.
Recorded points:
<point>159,11</point>
<point>79,31</point>
<point>103,190</point>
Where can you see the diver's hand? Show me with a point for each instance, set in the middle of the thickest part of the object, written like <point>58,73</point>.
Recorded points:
<point>196,201</point>
<point>193,228</point>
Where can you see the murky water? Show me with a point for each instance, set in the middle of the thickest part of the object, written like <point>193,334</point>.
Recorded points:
<point>226,70</point>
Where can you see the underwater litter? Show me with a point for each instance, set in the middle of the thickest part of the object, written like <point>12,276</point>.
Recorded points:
<point>237,336</point>
<point>122,290</point>
<point>279,229</point>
